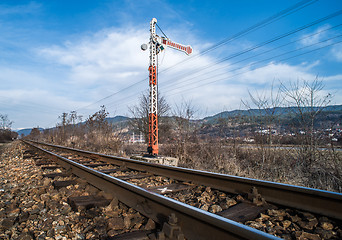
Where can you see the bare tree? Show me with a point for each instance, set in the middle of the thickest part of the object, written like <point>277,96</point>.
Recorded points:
<point>97,121</point>
<point>307,101</point>
<point>5,123</point>
<point>139,122</point>
<point>183,115</point>
<point>5,129</point>
<point>265,117</point>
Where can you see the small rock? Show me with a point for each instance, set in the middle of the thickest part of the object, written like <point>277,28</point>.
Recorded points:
<point>116,223</point>
<point>255,225</point>
<point>295,218</point>
<point>275,212</point>
<point>114,204</point>
<point>308,216</point>
<point>239,198</point>
<point>42,236</point>
<point>308,236</point>
<point>127,221</point>
<point>327,226</point>
<point>308,225</point>
<point>150,225</point>
<point>231,202</point>
<point>286,223</point>
<point>205,207</point>
<point>35,210</point>
<point>7,223</point>
<point>25,236</point>
<point>65,209</point>
<point>14,213</point>
<point>60,230</point>
<point>45,197</point>
<point>46,182</point>
<point>325,234</point>
<point>23,216</point>
<point>215,209</point>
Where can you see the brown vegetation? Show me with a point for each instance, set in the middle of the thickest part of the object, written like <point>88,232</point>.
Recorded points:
<point>95,134</point>
<point>6,135</point>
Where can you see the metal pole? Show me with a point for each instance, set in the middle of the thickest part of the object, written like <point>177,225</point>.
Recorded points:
<point>153,100</point>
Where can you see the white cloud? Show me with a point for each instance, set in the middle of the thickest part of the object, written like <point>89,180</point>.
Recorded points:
<point>316,37</point>
<point>110,56</point>
<point>337,52</point>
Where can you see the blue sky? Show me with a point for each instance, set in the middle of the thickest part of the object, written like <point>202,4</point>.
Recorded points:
<point>60,56</point>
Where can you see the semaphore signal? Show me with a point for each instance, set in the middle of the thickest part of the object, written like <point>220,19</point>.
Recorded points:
<point>157,44</point>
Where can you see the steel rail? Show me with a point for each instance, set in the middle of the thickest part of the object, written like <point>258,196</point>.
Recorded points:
<point>195,223</point>
<point>308,199</point>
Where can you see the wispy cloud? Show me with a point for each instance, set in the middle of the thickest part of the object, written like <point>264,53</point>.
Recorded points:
<point>337,52</point>
<point>316,37</point>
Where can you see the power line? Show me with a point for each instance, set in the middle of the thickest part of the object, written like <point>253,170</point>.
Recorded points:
<point>225,59</point>
<point>257,26</point>
<point>260,45</point>
<point>201,69</point>
<point>265,22</point>
<point>225,78</point>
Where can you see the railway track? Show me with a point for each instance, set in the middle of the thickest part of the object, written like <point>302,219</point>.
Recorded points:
<point>206,205</point>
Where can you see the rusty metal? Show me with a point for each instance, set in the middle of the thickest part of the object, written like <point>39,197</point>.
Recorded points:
<point>308,199</point>
<point>195,223</point>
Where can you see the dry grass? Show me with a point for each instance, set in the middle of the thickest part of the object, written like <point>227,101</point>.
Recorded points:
<point>278,165</point>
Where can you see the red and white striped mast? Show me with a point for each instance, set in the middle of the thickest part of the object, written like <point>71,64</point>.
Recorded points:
<point>153,100</point>
<point>157,44</point>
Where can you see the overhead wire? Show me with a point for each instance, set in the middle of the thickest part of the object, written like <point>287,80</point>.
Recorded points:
<point>233,63</point>
<point>203,68</point>
<point>296,7</point>
<point>226,78</point>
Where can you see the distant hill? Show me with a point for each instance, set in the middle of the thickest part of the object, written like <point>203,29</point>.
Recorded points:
<point>26,131</point>
<point>117,119</point>
<point>279,111</point>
